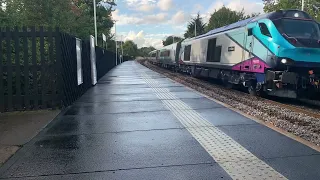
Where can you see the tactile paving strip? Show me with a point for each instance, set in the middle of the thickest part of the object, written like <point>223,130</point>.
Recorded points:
<point>237,161</point>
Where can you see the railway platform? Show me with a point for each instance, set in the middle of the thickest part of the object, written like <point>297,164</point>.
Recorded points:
<point>138,124</point>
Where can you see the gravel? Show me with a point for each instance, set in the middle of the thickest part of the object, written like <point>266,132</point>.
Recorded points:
<point>300,124</point>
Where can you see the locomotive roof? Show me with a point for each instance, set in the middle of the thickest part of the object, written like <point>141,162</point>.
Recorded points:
<point>273,15</point>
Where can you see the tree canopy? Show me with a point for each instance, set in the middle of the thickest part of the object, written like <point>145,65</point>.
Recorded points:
<point>169,40</point>
<point>272,5</point>
<point>144,51</point>
<point>195,24</point>
<point>225,16</point>
<point>311,6</point>
<point>71,16</point>
<point>130,49</point>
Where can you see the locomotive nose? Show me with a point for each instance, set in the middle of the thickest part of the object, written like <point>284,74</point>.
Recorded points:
<point>302,55</point>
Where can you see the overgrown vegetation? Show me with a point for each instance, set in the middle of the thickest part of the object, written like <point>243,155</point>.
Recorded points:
<point>71,16</point>
<point>195,25</point>
<point>310,6</point>
<point>76,17</point>
<point>171,39</point>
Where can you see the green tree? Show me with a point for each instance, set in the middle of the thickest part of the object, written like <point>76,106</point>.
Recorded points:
<point>195,24</point>
<point>170,40</point>
<point>225,16</point>
<point>130,49</point>
<point>311,6</point>
<point>71,16</point>
<point>3,15</point>
<point>272,5</point>
<point>144,51</point>
<point>40,13</point>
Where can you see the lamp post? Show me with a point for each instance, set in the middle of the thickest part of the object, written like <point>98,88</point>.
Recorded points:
<point>115,39</point>
<point>302,6</point>
<point>111,2</point>
<point>95,22</point>
<point>121,49</point>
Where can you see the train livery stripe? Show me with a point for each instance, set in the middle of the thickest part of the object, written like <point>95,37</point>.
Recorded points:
<point>244,47</point>
<point>237,161</point>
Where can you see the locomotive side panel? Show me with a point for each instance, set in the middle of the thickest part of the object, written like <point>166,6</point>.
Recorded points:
<point>231,52</point>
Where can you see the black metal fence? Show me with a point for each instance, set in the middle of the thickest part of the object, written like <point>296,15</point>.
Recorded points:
<point>106,60</point>
<point>38,68</point>
<point>127,58</point>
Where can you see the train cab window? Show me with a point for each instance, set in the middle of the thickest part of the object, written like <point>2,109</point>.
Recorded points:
<point>187,53</point>
<point>264,29</point>
<point>250,32</point>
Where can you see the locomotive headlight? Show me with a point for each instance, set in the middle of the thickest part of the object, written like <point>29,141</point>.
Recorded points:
<point>284,61</point>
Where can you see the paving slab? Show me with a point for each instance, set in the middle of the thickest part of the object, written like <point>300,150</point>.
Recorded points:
<point>185,172</point>
<point>117,97</point>
<point>86,124</point>
<point>266,143</point>
<point>114,91</point>
<point>111,151</point>
<point>87,98</point>
<point>6,152</point>
<point>202,103</point>
<point>224,117</point>
<point>18,128</point>
<point>297,168</point>
<point>116,107</point>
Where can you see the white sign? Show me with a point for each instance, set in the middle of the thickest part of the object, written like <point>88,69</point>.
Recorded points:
<point>79,61</point>
<point>93,61</point>
<point>104,37</point>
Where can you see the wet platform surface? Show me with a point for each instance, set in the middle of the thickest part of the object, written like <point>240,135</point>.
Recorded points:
<point>137,124</point>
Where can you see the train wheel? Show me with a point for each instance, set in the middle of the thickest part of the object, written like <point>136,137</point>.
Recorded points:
<point>255,89</point>
<point>252,90</point>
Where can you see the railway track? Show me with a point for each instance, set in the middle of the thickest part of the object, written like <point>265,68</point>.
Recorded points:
<point>300,120</point>
<point>299,108</point>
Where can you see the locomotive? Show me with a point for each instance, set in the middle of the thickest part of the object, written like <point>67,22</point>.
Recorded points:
<point>277,54</point>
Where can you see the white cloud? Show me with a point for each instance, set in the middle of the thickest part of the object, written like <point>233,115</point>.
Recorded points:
<point>179,18</point>
<point>157,35</point>
<point>248,6</point>
<point>146,40</point>
<point>143,40</point>
<point>197,8</point>
<point>123,19</point>
<point>155,19</point>
<point>146,7</point>
<point>165,5</point>
<point>141,5</point>
<point>181,28</point>
<point>236,5</point>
